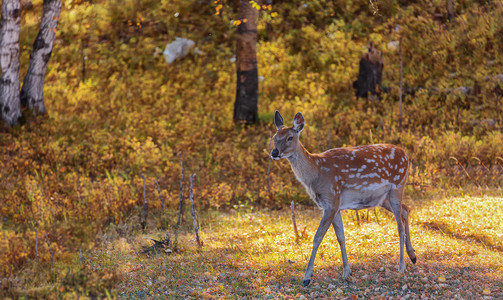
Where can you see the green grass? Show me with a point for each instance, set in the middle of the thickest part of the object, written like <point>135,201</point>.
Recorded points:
<point>458,242</point>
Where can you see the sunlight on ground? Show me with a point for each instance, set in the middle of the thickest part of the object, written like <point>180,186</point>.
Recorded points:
<point>458,243</point>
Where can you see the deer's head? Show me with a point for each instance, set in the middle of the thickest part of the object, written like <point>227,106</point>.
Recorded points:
<point>286,139</point>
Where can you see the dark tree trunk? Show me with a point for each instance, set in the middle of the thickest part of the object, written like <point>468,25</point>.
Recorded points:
<point>10,109</point>
<point>369,74</point>
<point>246,105</point>
<point>32,93</point>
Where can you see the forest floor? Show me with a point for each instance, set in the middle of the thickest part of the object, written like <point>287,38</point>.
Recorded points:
<point>246,254</point>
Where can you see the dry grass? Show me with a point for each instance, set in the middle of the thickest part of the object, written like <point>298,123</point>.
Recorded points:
<point>458,242</point>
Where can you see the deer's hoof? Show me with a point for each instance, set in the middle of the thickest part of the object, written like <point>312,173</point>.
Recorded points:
<point>413,260</point>
<point>306,282</point>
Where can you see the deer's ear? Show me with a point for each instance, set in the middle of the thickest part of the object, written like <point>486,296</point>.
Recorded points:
<point>278,120</point>
<point>298,122</point>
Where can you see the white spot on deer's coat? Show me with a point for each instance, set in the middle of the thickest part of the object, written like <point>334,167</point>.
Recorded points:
<point>324,160</point>
<point>396,177</point>
<point>363,167</point>
<point>357,175</point>
<point>370,160</point>
<point>353,169</point>
<point>335,165</point>
<point>401,170</point>
<point>392,155</point>
<point>325,169</point>
<point>370,175</point>
<point>344,170</point>
<point>351,176</point>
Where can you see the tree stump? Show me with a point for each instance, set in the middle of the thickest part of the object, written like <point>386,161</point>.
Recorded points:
<point>369,74</point>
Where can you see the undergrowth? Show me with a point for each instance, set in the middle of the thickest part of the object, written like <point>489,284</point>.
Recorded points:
<point>117,110</point>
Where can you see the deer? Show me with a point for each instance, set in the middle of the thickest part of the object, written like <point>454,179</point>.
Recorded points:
<point>346,178</point>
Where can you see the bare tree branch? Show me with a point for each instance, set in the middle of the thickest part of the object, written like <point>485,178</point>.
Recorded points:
<point>50,250</point>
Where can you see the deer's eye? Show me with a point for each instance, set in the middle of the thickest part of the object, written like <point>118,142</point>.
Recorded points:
<point>289,139</point>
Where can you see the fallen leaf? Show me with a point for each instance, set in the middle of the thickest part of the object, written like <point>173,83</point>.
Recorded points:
<point>441,278</point>
<point>486,292</point>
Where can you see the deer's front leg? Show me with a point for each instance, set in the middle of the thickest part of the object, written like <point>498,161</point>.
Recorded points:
<point>339,232</point>
<point>326,220</point>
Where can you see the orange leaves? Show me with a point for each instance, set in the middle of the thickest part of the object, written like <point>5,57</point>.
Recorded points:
<point>239,22</point>
<point>217,9</point>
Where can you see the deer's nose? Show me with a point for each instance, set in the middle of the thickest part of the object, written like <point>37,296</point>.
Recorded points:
<point>275,152</point>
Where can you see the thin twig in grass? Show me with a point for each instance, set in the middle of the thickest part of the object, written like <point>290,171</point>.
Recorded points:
<point>50,250</point>
<point>375,9</point>
<point>180,208</point>
<point>145,205</point>
<point>464,169</point>
<point>36,243</point>
<point>292,206</point>
<point>480,163</point>
<point>194,217</point>
<point>80,256</point>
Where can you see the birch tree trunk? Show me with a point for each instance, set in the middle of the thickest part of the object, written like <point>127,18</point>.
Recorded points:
<point>10,109</point>
<point>32,93</point>
<point>246,105</point>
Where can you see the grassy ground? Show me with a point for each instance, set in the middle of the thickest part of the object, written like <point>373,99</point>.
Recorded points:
<point>458,242</point>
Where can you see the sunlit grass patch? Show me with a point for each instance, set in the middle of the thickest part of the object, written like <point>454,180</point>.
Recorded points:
<point>256,255</point>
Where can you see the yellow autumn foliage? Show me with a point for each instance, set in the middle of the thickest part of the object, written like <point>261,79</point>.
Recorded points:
<point>117,110</point>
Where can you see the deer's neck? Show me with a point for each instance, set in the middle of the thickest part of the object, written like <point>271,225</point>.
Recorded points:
<point>303,166</point>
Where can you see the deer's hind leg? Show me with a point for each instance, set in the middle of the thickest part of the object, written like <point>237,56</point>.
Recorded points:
<point>408,245</point>
<point>401,212</point>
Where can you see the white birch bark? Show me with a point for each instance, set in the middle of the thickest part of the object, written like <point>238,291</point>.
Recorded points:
<point>10,109</point>
<point>32,93</point>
